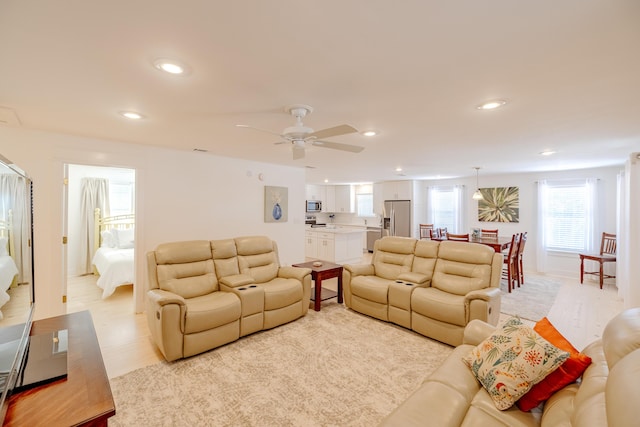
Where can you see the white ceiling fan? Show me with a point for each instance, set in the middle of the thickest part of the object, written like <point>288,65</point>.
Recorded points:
<point>299,135</point>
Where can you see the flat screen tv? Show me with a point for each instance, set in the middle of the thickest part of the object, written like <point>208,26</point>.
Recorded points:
<point>17,296</point>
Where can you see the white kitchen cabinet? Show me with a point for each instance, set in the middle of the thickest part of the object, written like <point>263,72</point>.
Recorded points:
<point>342,246</point>
<point>316,192</point>
<point>329,202</point>
<point>326,247</point>
<point>396,190</point>
<point>344,198</point>
<point>311,244</point>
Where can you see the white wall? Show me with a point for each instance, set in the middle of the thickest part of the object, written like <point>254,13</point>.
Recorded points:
<point>558,264</point>
<point>180,196</point>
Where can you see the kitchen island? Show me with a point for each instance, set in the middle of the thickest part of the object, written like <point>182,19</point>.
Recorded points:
<point>342,245</point>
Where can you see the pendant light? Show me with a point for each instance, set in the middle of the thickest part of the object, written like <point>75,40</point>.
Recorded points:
<point>477,195</point>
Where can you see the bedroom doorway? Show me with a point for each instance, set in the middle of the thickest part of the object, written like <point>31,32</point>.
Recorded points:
<point>99,216</point>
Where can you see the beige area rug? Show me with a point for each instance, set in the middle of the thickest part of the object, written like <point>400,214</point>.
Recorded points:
<point>531,301</point>
<point>330,368</point>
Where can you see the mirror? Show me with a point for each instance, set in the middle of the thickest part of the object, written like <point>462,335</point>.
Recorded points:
<point>16,274</point>
<point>16,261</point>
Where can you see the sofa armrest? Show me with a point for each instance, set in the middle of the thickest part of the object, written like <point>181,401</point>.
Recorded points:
<point>483,304</point>
<point>360,269</point>
<point>293,272</point>
<point>477,331</point>
<point>237,280</point>
<point>420,279</point>
<point>160,297</point>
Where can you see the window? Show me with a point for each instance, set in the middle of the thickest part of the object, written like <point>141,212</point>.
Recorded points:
<point>445,208</point>
<point>121,198</point>
<point>567,215</point>
<point>364,200</point>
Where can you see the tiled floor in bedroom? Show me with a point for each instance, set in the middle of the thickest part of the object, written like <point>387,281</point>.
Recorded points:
<point>580,312</point>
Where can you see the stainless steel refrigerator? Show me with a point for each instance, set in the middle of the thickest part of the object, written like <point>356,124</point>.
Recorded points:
<point>396,218</point>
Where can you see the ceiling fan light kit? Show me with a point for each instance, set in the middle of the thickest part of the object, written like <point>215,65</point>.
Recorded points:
<point>300,135</point>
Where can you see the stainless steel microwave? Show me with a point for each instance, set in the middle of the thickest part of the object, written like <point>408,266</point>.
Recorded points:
<point>314,206</point>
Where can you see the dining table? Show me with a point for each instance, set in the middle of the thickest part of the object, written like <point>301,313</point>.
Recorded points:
<point>498,244</point>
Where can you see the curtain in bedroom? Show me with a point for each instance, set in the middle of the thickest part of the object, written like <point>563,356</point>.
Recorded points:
<point>13,191</point>
<point>94,194</point>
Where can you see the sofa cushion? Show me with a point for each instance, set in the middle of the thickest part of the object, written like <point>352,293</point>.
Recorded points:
<point>188,280</point>
<point>425,255</point>
<point>567,373</point>
<point>210,311</point>
<point>372,288</point>
<point>225,257</point>
<point>511,360</point>
<point>281,292</point>
<point>439,305</point>
<point>393,256</point>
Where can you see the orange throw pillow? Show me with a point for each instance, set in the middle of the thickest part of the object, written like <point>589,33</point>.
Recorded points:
<point>566,374</point>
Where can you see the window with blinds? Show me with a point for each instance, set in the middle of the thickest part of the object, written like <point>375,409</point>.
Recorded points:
<point>565,216</point>
<point>364,200</point>
<point>443,208</point>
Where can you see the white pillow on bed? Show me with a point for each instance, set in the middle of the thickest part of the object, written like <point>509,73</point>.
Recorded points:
<point>124,238</point>
<point>3,246</point>
<point>108,239</point>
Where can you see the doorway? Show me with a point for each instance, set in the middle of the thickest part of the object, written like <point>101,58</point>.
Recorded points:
<point>99,228</point>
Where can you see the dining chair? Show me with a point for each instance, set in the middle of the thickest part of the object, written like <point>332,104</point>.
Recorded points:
<point>489,233</point>
<point>435,233</point>
<point>458,237</point>
<point>607,253</point>
<point>510,273</point>
<point>523,240</point>
<point>426,231</point>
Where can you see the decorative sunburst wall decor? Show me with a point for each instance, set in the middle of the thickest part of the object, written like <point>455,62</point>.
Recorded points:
<point>499,204</point>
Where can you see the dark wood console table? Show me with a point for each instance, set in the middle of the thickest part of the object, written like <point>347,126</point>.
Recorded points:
<point>83,398</point>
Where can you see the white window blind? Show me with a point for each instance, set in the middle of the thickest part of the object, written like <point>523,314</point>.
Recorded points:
<point>445,207</point>
<point>568,215</point>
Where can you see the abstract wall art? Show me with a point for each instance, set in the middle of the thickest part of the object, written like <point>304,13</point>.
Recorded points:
<point>499,204</point>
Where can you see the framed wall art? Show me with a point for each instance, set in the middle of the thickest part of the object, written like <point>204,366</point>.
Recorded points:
<point>276,204</point>
<point>499,204</point>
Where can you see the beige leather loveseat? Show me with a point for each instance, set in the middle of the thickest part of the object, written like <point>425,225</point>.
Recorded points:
<point>203,294</point>
<point>433,288</point>
<point>607,395</point>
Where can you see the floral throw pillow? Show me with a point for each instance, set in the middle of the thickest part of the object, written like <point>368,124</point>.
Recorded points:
<point>512,360</point>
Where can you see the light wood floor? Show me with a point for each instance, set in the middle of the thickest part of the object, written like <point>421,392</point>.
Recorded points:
<point>580,312</point>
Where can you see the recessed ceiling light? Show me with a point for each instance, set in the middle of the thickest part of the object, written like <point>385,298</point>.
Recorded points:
<point>170,66</point>
<point>131,115</point>
<point>369,133</point>
<point>326,180</point>
<point>491,105</point>
<point>398,169</point>
<point>547,152</point>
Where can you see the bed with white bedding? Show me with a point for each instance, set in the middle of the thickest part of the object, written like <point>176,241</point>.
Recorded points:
<point>8,268</point>
<point>113,258</point>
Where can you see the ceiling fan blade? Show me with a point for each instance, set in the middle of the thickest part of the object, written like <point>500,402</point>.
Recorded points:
<point>337,146</point>
<point>334,131</point>
<point>298,152</point>
<point>258,129</point>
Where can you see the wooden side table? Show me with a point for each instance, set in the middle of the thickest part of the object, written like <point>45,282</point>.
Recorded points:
<point>327,270</point>
<point>83,398</point>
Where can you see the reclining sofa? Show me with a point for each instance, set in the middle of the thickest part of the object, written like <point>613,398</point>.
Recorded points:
<point>607,395</point>
<point>434,288</point>
<point>203,294</point>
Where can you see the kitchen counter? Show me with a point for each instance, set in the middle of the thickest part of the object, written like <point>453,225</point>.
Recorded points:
<point>341,245</point>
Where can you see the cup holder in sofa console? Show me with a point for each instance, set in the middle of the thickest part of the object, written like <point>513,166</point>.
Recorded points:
<point>399,281</point>
<point>408,284</point>
<point>253,286</point>
<point>242,289</point>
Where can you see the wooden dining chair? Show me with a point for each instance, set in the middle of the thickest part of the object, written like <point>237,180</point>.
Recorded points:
<point>435,233</point>
<point>458,237</point>
<point>426,231</point>
<point>489,233</point>
<point>608,247</point>
<point>510,265</point>
<point>442,233</point>
<point>523,240</point>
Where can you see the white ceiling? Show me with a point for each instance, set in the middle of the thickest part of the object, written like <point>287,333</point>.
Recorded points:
<point>414,70</point>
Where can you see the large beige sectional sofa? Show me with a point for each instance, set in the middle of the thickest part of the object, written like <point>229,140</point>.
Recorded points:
<point>434,288</point>
<point>203,294</point>
<point>607,395</point>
